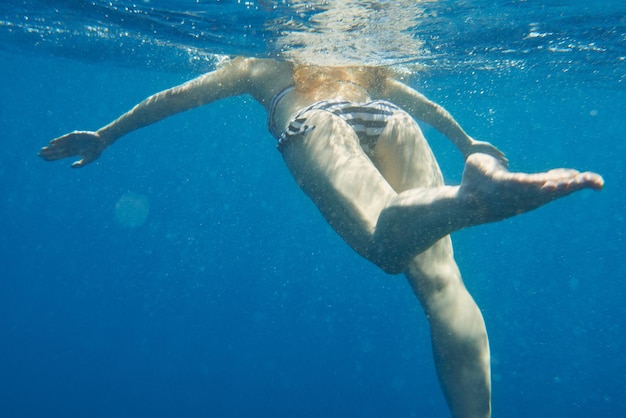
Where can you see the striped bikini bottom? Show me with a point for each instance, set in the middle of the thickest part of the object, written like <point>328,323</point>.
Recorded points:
<point>366,119</point>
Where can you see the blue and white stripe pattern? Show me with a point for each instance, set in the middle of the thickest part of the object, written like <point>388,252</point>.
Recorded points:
<point>271,125</point>
<point>366,119</point>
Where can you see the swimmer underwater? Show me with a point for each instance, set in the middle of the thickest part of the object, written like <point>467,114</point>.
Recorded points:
<point>349,137</point>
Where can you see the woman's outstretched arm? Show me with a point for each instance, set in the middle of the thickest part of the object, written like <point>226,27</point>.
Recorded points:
<point>230,80</point>
<point>418,106</point>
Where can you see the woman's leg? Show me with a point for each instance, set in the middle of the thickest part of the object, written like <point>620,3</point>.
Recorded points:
<point>390,228</point>
<point>331,168</point>
<point>458,333</point>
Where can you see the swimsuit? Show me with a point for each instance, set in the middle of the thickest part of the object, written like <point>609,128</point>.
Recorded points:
<point>366,119</point>
<point>271,124</point>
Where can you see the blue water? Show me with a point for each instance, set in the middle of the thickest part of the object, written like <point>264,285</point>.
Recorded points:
<point>234,298</point>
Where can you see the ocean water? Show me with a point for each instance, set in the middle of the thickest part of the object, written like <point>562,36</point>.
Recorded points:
<point>184,274</point>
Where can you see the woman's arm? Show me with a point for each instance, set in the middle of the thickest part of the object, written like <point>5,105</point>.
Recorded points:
<point>418,106</point>
<point>231,80</point>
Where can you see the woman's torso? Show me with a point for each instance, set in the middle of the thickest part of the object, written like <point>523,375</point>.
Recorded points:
<point>294,101</point>
<point>278,80</point>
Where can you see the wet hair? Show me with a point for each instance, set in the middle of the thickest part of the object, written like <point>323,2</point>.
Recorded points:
<point>307,78</point>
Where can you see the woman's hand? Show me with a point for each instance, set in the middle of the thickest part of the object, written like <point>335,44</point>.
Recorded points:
<point>484,147</point>
<point>85,144</point>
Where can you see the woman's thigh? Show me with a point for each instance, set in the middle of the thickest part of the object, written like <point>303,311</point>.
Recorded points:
<point>329,165</point>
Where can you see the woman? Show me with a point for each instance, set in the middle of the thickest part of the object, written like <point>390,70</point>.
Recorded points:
<point>349,138</point>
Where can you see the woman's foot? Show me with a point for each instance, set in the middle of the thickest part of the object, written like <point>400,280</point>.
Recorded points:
<point>493,193</point>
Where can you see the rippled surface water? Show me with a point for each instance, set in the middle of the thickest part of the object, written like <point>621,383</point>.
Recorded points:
<point>449,36</point>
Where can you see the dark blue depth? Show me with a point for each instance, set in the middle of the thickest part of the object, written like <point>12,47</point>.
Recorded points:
<point>235,299</point>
